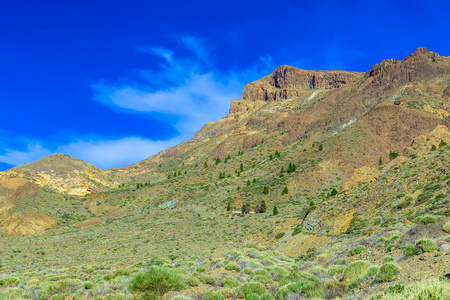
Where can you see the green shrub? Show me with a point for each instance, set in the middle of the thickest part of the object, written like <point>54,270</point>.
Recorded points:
<point>251,288</point>
<point>210,296</point>
<point>253,297</point>
<point>357,269</point>
<point>337,269</point>
<point>446,227</point>
<point>288,289</point>
<point>279,235</point>
<point>356,250</point>
<point>388,259</point>
<point>395,289</point>
<point>88,285</point>
<point>266,296</point>
<point>373,270</point>
<point>427,245</point>
<point>428,220</point>
<point>157,280</point>
<point>297,229</point>
<point>340,261</point>
<point>262,272</point>
<point>232,267</point>
<point>387,273</point>
<point>411,250</point>
<point>390,248</point>
<point>192,281</point>
<point>230,282</point>
<point>263,279</point>
<point>248,271</point>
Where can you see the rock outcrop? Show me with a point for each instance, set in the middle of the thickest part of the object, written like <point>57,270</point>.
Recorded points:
<point>287,82</point>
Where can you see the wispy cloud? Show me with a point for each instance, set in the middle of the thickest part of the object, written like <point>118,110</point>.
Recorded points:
<point>190,90</point>
<point>34,151</point>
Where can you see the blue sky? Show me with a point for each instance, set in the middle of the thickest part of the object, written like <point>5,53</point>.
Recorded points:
<point>113,82</point>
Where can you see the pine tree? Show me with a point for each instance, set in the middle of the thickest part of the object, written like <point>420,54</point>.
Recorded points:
<point>270,157</point>
<point>241,167</point>
<point>245,208</point>
<point>277,154</point>
<point>248,182</point>
<point>228,206</point>
<point>320,147</point>
<point>254,180</point>
<point>282,170</point>
<point>266,190</point>
<point>285,191</point>
<point>263,207</point>
<point>205,165</point>
<point>275,211</point>
<point>380,162</point>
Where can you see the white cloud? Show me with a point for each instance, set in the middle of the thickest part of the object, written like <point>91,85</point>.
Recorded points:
<point>115,153</point>
<point>190,88</point>
<point>15,157</point>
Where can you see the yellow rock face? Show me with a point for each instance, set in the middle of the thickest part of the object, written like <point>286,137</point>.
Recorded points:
<point>11,179</point>
<point>26,223</point>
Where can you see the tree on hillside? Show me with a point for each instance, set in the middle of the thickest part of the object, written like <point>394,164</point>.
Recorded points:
<point>266,190</point>
<point>275,211</point>
<point>205,165</point>
<point>245,208</point>
<point>228,206</point>
<point>285,191</point>
<point>263,207</point>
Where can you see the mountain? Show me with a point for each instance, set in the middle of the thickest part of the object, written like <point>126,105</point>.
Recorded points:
<point>352,167</point>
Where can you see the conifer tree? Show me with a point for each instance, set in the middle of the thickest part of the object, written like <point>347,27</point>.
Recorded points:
<point>285,191</point>
<point>275,211</point>
<point>241,167</point>
<point>263,207</point>
<point>205,165</point>
<point>228,206</point>
<point>248,182</point>
<point>380,162</point>
<point>266,190</point>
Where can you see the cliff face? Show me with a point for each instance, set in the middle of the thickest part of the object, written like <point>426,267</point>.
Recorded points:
<point>288,82</point>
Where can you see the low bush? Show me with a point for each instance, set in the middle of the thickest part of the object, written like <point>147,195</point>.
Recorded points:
<point>387,273</point>
<point>428,220</point>
<point>230,282</point>
<point>279,235</point>
<point>395,289</point>
<point>337,269</point>
<point>192,281</point>
<point>427,245</point>
<point>232,267</point>
<point>357,269</point>
<point>411,250</point>
<point>251,288</point>
<point>156,280</point>
<point>356,250</point>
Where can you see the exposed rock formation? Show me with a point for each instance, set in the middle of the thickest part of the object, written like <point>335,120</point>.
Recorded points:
<point>288,82</point>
